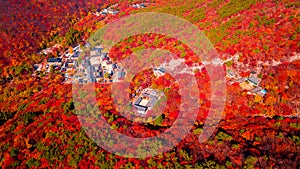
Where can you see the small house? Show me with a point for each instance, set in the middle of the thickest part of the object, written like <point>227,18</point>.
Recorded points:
<point>104,11</point>
<point>162,70</point>
<point>231,74</point>
<point>121,74</point>
<point>100,75</point>
<point>37,67</point>
<point>262,92</point>
<point>54,61</point>
<point>111,73</point>
<point>138,5</point>
<point>114,66</point>
<point>113,12</point>
<point>88,45</point>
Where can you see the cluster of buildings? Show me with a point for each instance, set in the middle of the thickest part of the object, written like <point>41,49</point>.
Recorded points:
<point>142,5</point>
<point>65,63</point>
<point>145,100</point>
<point>251,84</point>
<point>98,67</point>
<point>110,10</point>
<point>159,71</point>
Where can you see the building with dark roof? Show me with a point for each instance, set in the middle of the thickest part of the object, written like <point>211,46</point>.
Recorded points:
<point>141,108</point>
<point>147,100</point>
<point>138,106</point>
<point>162,70</point>
<point>114,66</point>
<point>52,60</point>
<point>254,80</point>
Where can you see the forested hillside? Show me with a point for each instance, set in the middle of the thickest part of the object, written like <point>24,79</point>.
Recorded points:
<point>38,123</point>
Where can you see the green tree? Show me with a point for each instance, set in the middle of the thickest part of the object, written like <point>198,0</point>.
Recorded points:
<point>32,163</point>
<point>73,37</point>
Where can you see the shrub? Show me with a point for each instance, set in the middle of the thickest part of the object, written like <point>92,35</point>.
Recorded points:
<point>223,136</point>
<point>14,152</point>
<point>32,163</point>
<point>28,117</point>
<point>4,116</point>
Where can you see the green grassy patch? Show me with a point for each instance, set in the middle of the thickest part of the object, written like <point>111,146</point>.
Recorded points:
<point>215,3</point>
<point>180,8</point>
<point>235,6</point>
<point>264,20</point>
<point>220,32</point>
<point>198,131</point>
<point>229,63</point>
<point>196,15</point>
<point>293,5</point>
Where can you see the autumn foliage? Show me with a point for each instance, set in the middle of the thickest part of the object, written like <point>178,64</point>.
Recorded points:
<point>38,122</point>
